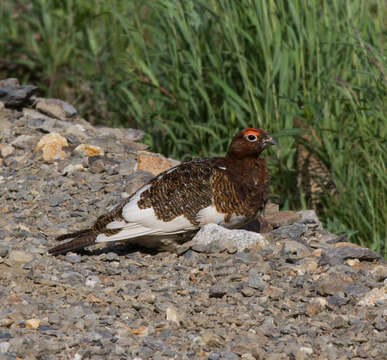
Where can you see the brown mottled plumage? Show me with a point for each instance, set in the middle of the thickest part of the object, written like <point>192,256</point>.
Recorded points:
<point>228,191</point>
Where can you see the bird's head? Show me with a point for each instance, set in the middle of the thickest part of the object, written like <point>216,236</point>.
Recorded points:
<point>249,142</point>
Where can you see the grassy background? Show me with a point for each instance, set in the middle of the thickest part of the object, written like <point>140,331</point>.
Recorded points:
<point>193,72</point>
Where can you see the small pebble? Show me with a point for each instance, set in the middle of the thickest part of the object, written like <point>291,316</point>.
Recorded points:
<point>246,291</point>
<point>32,323</point>
<point>217,291</point>
<point>4,251</point>
<point>20,256</point>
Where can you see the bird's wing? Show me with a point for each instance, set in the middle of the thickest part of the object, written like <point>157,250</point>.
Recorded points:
<point>169,204</point>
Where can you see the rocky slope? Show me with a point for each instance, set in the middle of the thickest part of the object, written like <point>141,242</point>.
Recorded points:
<point>296,292</point>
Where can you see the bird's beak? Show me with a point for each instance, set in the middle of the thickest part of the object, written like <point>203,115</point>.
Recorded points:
<point>269,141</point>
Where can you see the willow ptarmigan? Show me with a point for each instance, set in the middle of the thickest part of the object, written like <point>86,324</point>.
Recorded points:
<point>227,191</point>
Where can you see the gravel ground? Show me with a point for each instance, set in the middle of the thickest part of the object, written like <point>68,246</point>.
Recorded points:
<point>299,292</point>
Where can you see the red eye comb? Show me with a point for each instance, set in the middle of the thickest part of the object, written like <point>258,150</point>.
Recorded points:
<point>251,131</point>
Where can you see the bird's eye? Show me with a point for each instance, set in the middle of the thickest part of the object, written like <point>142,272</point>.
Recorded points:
<point>251,138</point>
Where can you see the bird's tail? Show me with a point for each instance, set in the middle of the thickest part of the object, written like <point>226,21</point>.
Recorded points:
<point>80,240</point>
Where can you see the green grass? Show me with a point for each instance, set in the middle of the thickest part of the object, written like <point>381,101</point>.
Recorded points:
<point>191,73</point>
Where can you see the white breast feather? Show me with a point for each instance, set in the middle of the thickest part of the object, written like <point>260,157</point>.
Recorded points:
<point>210,215</point>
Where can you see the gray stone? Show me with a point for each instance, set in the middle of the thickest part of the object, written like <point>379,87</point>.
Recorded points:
<point>73,258</point>
<point>5,335</point>
<point>335,256</point>
<point>129,134</point>
<point>37,120</point>
<point>356,289</point>
<point>112,256</point>
<point>213,356</point>
<point>16,96</point>
<point>55,108</point>
<point>255,279</point>
<point>381,325</point>
<point>337,300</point>
<point>4,251</point>
<point>96,166</point>
<point>217,291</point>
<point>294,249</point>
<point>72,277</point>
<point>332,238</point>
<point>308,216</point>
<point>127,167</point>
<point>24,142</point>
<point>289,232</point>
<point>58,199</point>
<point>339,322</point>
<point>77,133</point>
<point>247,291</point>
<point>333,284</point>
<point>229,355</point>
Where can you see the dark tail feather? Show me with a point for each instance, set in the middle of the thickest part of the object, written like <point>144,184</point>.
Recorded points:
<point>84,239</point>
<point>73,235</point>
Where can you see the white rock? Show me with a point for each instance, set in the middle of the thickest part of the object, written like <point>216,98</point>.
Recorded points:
<point>172,315</point>
<point>374,296</point>
<point>69,169</point>
<point>306,350</point>
<point>320,301</point>
<point>212,238</point>
<point>92,281</point>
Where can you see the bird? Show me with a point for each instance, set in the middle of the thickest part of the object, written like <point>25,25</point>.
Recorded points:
<point>228,191</point>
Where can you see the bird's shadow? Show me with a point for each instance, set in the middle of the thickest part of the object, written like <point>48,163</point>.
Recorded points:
<point>119,249</point>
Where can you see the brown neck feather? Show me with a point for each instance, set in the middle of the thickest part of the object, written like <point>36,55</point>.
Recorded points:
<point>250,170</point>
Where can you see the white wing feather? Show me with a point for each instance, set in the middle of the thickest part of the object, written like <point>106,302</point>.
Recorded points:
<point>142,222</point>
